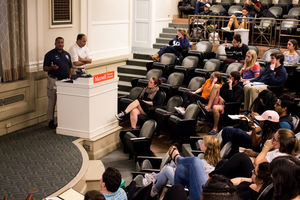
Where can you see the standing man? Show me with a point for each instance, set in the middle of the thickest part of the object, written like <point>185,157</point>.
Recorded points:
<point>80,53</point>
<point>57,63</point>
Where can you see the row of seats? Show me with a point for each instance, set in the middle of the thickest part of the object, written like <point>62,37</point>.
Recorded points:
<point>189,8</point>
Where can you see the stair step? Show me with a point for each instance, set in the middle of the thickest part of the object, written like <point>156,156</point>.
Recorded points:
<point>122,93</point>
<point>159,45</point>
<point>133,69</point>
<point>163,40</point>
<point>142,56</point>
<point>128,77</point>
<point>139,62</point>
<point>170,30</point>
<point>167,35</point>
<point>179,25</point>
<point>124,86</point>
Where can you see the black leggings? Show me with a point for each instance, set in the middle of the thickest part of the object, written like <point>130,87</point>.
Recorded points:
<point>193,98</point>
<point>239,165</point>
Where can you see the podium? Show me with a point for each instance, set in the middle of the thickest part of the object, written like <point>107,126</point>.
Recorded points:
<point>244,35</point>
<point>86,107</point>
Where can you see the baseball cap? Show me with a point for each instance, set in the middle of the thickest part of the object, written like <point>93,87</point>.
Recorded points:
<point>269,115</point>
<point>207,4</point>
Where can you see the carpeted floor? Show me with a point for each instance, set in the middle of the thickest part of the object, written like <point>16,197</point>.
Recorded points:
<point>36,161</point>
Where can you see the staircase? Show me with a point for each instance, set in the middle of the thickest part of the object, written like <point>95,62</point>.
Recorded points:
<point>168,34</point>
<point>136,67</point>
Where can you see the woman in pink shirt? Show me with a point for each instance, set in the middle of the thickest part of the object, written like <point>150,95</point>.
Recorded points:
<point>251,68</point>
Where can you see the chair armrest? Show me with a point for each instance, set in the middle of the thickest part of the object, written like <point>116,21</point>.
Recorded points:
<point>197,152</point>
<point>126,100</point>
<point>139,138</point>
<point>184,89</point>
<point>135,132</point>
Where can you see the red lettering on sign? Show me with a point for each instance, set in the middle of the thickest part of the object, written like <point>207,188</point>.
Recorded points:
<point>104,76</point>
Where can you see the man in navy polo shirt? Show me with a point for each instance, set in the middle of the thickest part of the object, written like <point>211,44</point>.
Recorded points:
<point>57,63</point>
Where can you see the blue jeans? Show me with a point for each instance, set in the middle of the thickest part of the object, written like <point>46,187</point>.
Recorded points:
<point>162,177</point>
<point>168,49</point>
<point>191,173</point>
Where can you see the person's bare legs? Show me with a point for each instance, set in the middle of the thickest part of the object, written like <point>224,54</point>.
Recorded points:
<point>214,93</point>
<point>233,21</point>
<point>134,116</point>
<point>133,105</point>
<point>243,24</point>
<point>217,109</point>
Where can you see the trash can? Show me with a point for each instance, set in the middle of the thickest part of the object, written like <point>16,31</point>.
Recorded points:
<point>244,35</point>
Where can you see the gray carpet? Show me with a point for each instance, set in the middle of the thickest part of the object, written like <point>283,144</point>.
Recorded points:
<point>36,160</point>
<point>120,161</point>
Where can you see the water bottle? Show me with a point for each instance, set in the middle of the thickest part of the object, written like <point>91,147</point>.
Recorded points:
<point>191,45</point>
<point>225,41</point>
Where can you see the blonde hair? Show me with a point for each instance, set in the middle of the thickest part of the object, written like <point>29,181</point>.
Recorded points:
<point>289,143</point>
<point>248,65</point>
<point>212,154</point>
<point>183,32</point>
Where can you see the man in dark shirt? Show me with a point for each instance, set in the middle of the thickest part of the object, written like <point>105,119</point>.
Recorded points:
<point>230,92</point>
<point>57,63</point>
<point>236,53</point>
<point>274,75</point>
<point>253,7</point>
<point>204,19</point>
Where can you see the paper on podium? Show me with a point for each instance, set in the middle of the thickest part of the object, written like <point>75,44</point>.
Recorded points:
<point>71,194</point>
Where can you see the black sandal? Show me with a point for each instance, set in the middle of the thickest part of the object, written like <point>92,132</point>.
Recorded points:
<point>175,156</point>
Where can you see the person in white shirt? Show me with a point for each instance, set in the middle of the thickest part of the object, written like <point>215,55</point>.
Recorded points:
<point>79,52</point>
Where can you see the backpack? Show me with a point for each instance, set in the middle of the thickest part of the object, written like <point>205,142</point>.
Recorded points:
<point>267,13</point>
<point>197,33</point>
<point>131,189</point>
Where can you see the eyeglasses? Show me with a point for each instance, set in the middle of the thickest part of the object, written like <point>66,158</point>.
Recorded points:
<point>253,172</point>
<point>274,139</point>
<point>277,104</point>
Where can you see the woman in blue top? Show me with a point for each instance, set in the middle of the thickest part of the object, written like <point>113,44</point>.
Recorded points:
<point>291,55</point>
<point>179,43</point>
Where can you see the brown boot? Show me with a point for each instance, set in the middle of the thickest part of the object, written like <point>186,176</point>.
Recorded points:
<point>155,57</point>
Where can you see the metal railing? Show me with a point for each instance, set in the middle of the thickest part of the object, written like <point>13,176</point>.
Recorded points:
<point>262,31</point>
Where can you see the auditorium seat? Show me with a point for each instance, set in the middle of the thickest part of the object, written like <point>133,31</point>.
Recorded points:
<point>143,82</point>
<point>138,142</point>
<point>124,101</point>
<point>182,127</point>
<point>166,63</point>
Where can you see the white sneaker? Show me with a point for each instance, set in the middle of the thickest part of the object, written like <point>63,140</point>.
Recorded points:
<point>146,182</point>
<point>150,177</point>
<point>225,28</point>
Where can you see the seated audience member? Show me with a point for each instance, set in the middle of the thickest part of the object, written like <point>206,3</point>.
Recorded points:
<point>269,124</point>
<point>110,183</point>
<point>239,21</point>
<point>179,43</point>
<point>265,100</point>
<point>236,53</point>
<point>274,75</point>
<point>291,56</point>
<point>219,187</point>
<point>190,171</point>
<point>211,148</point>
<point>211,87</point>
<point>284,107</point>
<point>251,68</point>
<point>286,178</point>
<point>253,7</point>
<point>250,188</point>
<point>205,16</point>
<point>199,3</point>
<point>230,92</point>
<point>150,96</point>
<point>94,195</point>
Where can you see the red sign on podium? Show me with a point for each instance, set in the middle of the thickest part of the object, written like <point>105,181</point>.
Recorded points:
<point>104,76</point>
